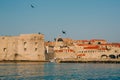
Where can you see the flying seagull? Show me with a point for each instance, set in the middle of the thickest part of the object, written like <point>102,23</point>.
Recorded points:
<point>32,6</point>
<point>63,32</point>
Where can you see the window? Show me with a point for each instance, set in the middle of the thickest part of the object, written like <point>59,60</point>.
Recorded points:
<point>35,49</point>
<point>89,43</point>
<point>25,43</point>
<point>36,43</point>
<point>25,49</point>
<point>4,49</point>
<point>35,37</point>
<point>3,37</point>
<point>99,42</point>
<point>116,51</point>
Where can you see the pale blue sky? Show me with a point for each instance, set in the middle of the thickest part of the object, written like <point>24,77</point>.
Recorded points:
<point>81,19</point>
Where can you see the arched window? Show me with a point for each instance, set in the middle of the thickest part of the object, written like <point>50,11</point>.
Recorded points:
<point>104,56</point>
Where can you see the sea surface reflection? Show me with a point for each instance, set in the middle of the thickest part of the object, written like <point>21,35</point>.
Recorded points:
<point>59,71</point>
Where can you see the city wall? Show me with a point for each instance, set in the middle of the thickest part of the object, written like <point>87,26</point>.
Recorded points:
<point>29,47</point>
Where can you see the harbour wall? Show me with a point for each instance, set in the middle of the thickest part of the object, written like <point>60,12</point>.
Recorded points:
<point>25,47</point>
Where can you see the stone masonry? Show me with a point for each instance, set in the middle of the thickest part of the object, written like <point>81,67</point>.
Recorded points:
<point>28,47</point>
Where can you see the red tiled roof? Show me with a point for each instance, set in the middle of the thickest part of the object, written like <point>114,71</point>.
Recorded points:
<point>92,47</point>
<point>89,45</point>
<point>102,49</point>
<point>82,41</point>
<point>80,54</point>
<point>97,40</point>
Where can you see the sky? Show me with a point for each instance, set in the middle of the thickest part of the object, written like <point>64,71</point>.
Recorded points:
<point>81,19</point>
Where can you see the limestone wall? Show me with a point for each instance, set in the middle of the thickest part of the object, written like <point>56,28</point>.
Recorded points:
<point>23,47</point>
<point>8,47</point>
<point>64,55</point>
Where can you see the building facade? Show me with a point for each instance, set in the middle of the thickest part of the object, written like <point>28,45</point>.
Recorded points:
<point>87,49</point>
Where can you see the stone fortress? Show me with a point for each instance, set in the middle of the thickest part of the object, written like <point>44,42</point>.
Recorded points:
<point>32,47</point>
<point>24,47</point>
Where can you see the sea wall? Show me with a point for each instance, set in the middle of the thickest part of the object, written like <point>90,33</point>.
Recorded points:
<point>23,47</point>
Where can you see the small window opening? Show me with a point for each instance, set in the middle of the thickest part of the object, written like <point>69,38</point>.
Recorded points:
<point>99,42</point>
<point>35,37</point>
<point>35,49</point>
<point>36,43</point>
<point>4,49</point>
<point>25,43</point>
<point>25,49</point>
<point>3,37</point>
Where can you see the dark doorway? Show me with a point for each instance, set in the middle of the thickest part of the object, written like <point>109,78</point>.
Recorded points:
<point>112,56</point>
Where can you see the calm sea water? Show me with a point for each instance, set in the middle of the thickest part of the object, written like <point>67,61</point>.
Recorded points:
<point>59,71</point>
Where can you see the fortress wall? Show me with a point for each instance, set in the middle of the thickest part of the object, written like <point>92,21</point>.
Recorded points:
<point>23,47</point>
<point>8,47</point>
<point>65,55</point>
<point>3,47</point>
<point>31,47</point>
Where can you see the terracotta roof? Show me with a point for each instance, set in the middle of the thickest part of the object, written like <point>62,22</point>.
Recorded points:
<point>92,47</point>
<point>97,40</point>
<point>102,49</point>
<point>80,54</point>
<point>89,45</point>
<point>81,40</point>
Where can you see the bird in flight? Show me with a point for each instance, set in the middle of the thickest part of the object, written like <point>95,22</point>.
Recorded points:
<point>63,32</point>
<point>32,6</point>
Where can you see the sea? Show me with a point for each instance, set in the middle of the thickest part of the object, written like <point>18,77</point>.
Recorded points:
<point>59,71</point>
